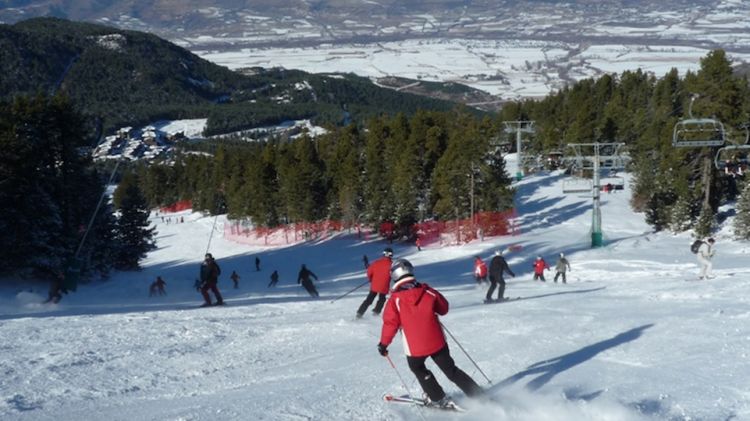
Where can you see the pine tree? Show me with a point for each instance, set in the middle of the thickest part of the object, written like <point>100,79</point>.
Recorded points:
<point>377,184</point>
<point>658,209</point>
<point>133,235</point>
<point>682,215</point>
<point>48,189</point>
<point>456,170</point>
<point>494,191</point>
<point>706,222</point>
<point>301,184</point>
<point>406,176</point>
<point>345,169</point>
<point>742,219</point>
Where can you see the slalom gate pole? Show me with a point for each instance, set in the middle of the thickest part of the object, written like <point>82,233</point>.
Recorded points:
<point>211,236</point>
<point>467,354</point>
<point>358,287</point>
<point>403,383</point>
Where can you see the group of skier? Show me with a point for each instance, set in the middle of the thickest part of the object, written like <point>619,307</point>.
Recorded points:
<point>414,308</point>
<point>499,267</point>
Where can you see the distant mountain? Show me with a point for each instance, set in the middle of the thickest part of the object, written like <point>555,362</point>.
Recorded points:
<point>128,77</point>
<point>282,21</point>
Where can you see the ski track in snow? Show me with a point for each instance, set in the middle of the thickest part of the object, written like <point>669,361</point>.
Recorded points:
<point>627,338</point>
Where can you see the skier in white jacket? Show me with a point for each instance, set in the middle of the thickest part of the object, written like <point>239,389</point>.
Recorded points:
<point>705,254</point>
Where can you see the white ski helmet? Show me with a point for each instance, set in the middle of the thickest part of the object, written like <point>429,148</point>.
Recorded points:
<point>498,252</point>
<point>562,254</point>
<point>401,268</point>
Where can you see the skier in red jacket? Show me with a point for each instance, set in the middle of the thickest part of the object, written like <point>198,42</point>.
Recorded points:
<point>414,308</point>
<point>379,274</point>
<point>539,267</point>
<point>480,270</point>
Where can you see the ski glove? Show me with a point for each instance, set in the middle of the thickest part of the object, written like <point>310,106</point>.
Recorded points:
<point>383,349</point>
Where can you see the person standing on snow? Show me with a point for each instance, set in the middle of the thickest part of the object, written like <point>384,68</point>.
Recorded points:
<point>365,261</point>
<point>257,264</point>
<point>304,279</point>
<point>561,266</point>
<point>235,278</point>
<point>157,287</point>
<point>414,308</point>
<point>539,267</point>
<point>379,275</point>
<point>480,270</point>
<point>498,266</point>
<point>210,272</point>
<point>705,254</point>
<point>274,278</point>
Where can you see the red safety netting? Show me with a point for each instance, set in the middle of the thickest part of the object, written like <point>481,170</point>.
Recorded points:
<point>428,233</point>
<point>178,206</point>
<point>462,231</point>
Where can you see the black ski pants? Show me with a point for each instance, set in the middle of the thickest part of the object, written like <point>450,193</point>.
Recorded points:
<point>211,285</point>
<point>369,299</point>
<point>310,287</point>
<point>494,283</point>
<point>445,362</point>
<point>557,275</point>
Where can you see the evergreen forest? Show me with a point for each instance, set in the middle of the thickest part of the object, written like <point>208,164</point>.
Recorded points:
<point>400,167</point>
<point>426,166</point>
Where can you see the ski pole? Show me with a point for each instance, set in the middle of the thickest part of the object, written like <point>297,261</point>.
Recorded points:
<point>403,383</point>
<point>467,354</point>
<point>358,287</point>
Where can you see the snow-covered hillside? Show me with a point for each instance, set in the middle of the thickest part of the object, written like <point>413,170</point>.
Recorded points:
<point>633,335</point>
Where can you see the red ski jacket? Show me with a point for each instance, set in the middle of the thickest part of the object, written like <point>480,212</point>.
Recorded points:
<point>480,269</point>
<point>539,266</point>
<point>415,311</point>
<point>379,274</point>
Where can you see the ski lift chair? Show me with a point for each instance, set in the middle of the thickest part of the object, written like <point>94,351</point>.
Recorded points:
<point>617,182</point>
<point>734,155</point>
<point>577,185</point>
<point>732,159</point>
<point>697,132</point>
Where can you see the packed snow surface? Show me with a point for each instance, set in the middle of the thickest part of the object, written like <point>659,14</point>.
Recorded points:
<point>633,335</point>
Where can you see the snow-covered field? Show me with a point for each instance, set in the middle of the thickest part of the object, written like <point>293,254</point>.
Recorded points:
<point>632,336</point>
<point>512,69</point>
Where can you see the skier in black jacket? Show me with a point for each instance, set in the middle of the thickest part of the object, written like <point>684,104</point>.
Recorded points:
<point>304,278</point>
<point>209,273</point>
<point>498,266</point>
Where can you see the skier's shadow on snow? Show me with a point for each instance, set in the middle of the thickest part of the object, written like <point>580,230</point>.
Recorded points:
<point>546,370</point>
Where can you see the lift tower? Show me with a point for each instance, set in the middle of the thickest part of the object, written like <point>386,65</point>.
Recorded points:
<point>518,127</point>
<point>597,157</point>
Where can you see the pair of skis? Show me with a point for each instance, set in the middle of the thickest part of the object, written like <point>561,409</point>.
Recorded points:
<point>410,400</point>
<point>503,300</point>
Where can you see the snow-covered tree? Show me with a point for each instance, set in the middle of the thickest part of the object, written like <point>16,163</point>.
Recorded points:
<point>706,222</point>
<point>682,216</point>
<point>742,220</point>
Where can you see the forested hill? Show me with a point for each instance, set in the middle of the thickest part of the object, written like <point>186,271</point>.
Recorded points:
<point>129,77</point>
